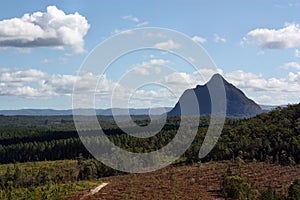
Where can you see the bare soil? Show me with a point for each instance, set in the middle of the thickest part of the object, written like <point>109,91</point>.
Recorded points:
<point>197,181</point>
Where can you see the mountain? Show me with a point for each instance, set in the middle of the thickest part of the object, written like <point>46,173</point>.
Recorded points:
<point>104,112</point>
<point>237,104</point>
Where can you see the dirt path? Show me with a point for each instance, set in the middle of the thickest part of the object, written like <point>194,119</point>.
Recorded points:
<point>97,189</point>
<point>93,191</point>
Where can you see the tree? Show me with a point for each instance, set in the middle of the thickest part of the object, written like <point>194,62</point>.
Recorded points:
<point>271,194</point>
<point>16,176</point>
<point>234,187</point>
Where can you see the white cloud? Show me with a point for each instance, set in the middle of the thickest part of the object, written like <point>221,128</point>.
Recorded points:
<point>30,75</point>
<point>289,65</point>
<point>199,39</point>
<point>297,53</point>
<point>136,20</point>
<point>169,45</point>
<point>18,83</point>
<point>272,99</point>
<point>52,28</point>
<point>219,39</point>
<point>131,18</point>
<point>256,82</point>
<point>152,66</point>
<point>122,31</point>
<point>34,83</point>
<point>4,69</point>
<point>286,37</point>
<point>294,77</point>
<point>268,91</point>
<point>180,81</point>
<point>203,75</point>
<point>142,24</point>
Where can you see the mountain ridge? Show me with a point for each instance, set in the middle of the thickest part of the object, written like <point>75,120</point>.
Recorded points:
<point>104,112</point>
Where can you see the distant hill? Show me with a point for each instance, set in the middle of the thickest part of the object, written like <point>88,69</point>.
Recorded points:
<point>271,107</point>
<point>104,112</point>
<point>238,105</point>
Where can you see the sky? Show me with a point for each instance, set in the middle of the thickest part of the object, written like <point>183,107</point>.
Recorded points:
<point>255,45</point>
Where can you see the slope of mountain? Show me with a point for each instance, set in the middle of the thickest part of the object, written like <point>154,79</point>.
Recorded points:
<point>237,104</point>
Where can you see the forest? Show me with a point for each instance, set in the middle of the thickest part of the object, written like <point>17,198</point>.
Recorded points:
<point>272,137</point>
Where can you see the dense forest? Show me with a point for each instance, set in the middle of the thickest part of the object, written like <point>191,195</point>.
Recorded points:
<point>273,136</point>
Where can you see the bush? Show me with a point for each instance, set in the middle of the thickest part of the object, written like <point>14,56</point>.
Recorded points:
<point>234,187</point>
<point>271,194</point>
<point>294,190</point>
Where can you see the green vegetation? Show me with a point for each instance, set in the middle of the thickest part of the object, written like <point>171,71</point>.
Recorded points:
<point>294,190</point>
<point>48,179</point>
<point>273,137</point>
<point>234,187</point>
<point>271,194</point>
<point>48,191</point>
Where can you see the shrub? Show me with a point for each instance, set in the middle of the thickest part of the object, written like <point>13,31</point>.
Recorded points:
<point>234,187</point>
<point>294,190</point>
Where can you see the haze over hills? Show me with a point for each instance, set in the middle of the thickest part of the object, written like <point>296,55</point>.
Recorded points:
<point>104,112</point>
<point>237,103</point>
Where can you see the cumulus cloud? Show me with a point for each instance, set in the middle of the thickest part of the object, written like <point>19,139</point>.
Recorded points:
<point>294,77</point>
<point>30,75</point>
<point>52,28</point>
<point>272,99</point>
<point>289,65</point>
<point>286,37</point>
<point>178,82</point>
<point>219,39</point>
<point>279,90</point>
<point>256,82</point>
<point>169,45</point>
<point>18,83</point>
<point>34,83</point>
<point>199,39</point>
<point>150,67</point>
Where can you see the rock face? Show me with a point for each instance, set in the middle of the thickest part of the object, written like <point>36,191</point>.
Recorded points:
<point>237,104</point>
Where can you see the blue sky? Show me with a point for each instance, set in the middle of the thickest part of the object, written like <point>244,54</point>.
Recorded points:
<point>255,45</point>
